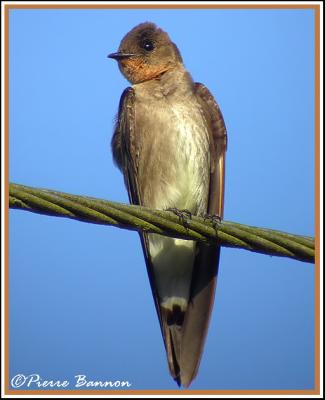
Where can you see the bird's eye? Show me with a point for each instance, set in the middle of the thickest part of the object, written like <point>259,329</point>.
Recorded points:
<point>148,45</point>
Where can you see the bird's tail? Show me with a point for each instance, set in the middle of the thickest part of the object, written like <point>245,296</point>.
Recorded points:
<point>185,330</point>
<point>172,321</point>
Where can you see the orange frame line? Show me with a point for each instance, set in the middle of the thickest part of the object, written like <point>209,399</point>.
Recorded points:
<point>316,8</point>
<point>162,6</point>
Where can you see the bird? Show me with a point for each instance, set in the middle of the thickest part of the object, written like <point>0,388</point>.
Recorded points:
<point>170,142</point>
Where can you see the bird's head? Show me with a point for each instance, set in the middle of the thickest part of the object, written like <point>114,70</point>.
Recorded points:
<point>145,53</point>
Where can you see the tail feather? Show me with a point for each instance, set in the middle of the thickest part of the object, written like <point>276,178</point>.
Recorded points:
<point>185,332</point>
<point>184,323</point>
<point>172,321</point>
<point>198,312</point>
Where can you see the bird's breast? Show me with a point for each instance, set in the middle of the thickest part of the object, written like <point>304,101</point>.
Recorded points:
<point>173,153</point>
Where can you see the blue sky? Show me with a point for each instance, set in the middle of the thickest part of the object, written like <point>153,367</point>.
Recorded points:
<point>80,300</point>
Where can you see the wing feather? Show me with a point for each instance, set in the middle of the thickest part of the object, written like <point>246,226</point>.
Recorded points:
<point>205,269</point>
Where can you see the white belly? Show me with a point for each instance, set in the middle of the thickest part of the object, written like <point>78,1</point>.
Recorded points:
<point>178,162</point>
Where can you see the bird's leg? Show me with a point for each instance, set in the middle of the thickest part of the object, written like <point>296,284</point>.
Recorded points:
<point>183,215</point>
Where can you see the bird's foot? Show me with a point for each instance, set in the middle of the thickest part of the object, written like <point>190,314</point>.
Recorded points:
<point>214,219</point>
<point>183,215</point>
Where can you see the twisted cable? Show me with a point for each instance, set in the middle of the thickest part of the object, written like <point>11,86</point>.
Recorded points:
<point>125,216</point>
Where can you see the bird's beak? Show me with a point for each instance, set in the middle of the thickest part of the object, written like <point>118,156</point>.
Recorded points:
<point>120,55</point>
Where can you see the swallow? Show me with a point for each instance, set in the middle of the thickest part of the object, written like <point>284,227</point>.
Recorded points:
<point>169,142</point>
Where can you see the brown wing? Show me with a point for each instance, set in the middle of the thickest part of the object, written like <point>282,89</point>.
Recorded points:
<point>206,262</point>
<point>218,135</point>
<point>125,150</point>
<point>124,146</point>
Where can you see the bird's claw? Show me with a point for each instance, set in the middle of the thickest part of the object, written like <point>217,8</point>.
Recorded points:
<point>214,219</point>
<point>183,215</point>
